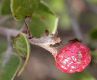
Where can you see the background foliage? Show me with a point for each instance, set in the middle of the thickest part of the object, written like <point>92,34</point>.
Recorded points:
<point>54,16</point>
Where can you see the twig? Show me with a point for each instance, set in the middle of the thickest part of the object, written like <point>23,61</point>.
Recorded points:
<point>44,42</point>
<point>74,21</point>
<point>50,49</point>
<point>8,32</point>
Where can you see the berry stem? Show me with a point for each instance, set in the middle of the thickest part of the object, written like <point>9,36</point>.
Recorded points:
<point>45,43</point>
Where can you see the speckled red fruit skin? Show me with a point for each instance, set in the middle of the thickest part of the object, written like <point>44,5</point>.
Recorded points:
<point>74,57</point>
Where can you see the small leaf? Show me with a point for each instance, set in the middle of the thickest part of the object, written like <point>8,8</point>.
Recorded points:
<point>42,22</point>
<point>9,66</point>
<point>5,9</point>
<point>9,61</point>
<point>22,47</point>
<point>3,45</point>
<point>22,8</point>
<point>43,7</point>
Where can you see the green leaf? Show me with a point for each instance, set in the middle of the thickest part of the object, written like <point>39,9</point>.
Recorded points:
<point>3,45</point>
<point>21,9</point>
<point>9,65</point>
<point>41,22</point>
<point>5,9</point>
<point>9,61</point>
<point>22,47</point>
<point>43,7</point>
<point>57,5</point>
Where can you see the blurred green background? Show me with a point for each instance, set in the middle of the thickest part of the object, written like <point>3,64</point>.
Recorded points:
<point>77,19</point>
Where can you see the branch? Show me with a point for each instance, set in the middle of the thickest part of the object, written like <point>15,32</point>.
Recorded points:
<point>44,42</point>
<point>74,21</point>
<point>8,32</point>
<point>50,49</point>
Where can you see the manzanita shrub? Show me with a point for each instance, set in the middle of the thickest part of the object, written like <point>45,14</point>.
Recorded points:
<point>39,28</point>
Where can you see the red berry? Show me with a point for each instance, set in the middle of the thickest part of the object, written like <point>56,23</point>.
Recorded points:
<point>74,57</point>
